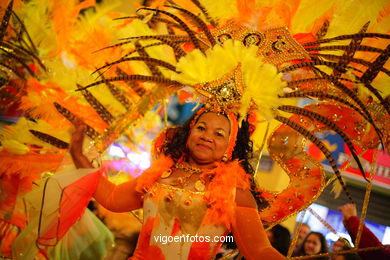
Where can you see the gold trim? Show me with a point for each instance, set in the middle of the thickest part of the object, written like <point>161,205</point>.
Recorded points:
<point>366,199</point>
<point>295,237</point>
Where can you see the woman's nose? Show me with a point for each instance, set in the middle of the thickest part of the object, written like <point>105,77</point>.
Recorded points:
<point>206,138</point>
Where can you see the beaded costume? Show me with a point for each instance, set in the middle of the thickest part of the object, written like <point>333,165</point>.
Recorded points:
<point>249,60</point>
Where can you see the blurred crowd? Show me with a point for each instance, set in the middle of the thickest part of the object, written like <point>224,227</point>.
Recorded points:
<point>313,243</point>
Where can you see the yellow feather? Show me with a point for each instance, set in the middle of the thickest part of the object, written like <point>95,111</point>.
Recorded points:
<point>337,189</point>
<point>350,16</point>
<point>17,135</point>
<point>221,9</point>
<point>14,147</point>
<point>34,15</point>
<point>262,83</point>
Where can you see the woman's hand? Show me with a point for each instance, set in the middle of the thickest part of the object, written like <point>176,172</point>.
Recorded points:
<point>76,146</point>
<point>76,143</point>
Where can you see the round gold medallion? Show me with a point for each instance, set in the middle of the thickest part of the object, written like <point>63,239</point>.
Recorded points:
<point>199,185</point>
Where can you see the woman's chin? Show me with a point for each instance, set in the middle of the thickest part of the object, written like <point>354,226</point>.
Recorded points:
<point>203,160</point>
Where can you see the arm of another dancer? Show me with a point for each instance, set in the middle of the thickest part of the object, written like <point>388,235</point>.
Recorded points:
<point>248,230</point>
<point>117,198</point>
<point>368,239</point>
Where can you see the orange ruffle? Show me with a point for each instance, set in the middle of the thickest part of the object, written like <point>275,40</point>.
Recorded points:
<point>221,192</point>
<point>8,233</point>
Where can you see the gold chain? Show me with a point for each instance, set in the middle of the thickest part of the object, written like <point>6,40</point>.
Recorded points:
<point>189,169</point>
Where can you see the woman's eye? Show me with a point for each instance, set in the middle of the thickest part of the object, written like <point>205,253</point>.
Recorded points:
<point>200,127</point>
<point>220,134</point>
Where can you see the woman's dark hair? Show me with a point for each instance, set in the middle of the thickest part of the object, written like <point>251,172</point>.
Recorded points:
<point>324,246</point>
<point>281,239</point>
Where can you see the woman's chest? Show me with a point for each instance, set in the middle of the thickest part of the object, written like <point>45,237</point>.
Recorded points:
<point>174,207</point>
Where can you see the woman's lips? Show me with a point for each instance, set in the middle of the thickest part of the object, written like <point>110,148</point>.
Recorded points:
<point>204,146</point>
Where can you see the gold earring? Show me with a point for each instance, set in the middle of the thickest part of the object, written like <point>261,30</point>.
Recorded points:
<point>225,157</point>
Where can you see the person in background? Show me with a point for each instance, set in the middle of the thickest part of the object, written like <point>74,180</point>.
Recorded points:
<point>279,237</point>
<point>368,239</point>
<point>304,230</point>
<point>313,244</point>
<point>342,244</point>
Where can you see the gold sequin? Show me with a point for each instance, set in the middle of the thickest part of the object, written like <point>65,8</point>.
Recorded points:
<point>166,174</point>
<point>199,185</point>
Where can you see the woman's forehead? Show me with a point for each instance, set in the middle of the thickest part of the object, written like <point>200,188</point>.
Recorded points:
<point>215,119</point>
<point>313,236</point>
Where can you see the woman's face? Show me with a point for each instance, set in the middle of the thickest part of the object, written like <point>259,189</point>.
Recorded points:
<point>208,139</point>
<point>338,245</point>
<point>312,245</point>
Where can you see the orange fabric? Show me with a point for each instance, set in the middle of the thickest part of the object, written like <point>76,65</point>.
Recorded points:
<point>144,249</point>
<point>12,190</point>
<point>74,199</point>
<point>7,236</point>
<point>176,227</point>
<point>29,165</point>
<point>250,236</point>
<point>118,198</point>
<point>200,251</point>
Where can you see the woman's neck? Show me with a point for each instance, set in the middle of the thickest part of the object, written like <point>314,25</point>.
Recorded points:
<point>200,165</point>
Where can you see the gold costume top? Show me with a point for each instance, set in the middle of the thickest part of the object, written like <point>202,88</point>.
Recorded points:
<point>174,227</point>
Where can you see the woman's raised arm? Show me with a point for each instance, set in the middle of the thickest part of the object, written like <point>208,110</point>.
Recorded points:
<point>117,198</point>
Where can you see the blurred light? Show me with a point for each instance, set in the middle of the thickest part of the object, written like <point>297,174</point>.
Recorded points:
<point>141,160</point>
<point>116,151</point>
<point>334,237</point>
<point>145,162</point>
<point>134,158</point>
<point>386,236</point>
